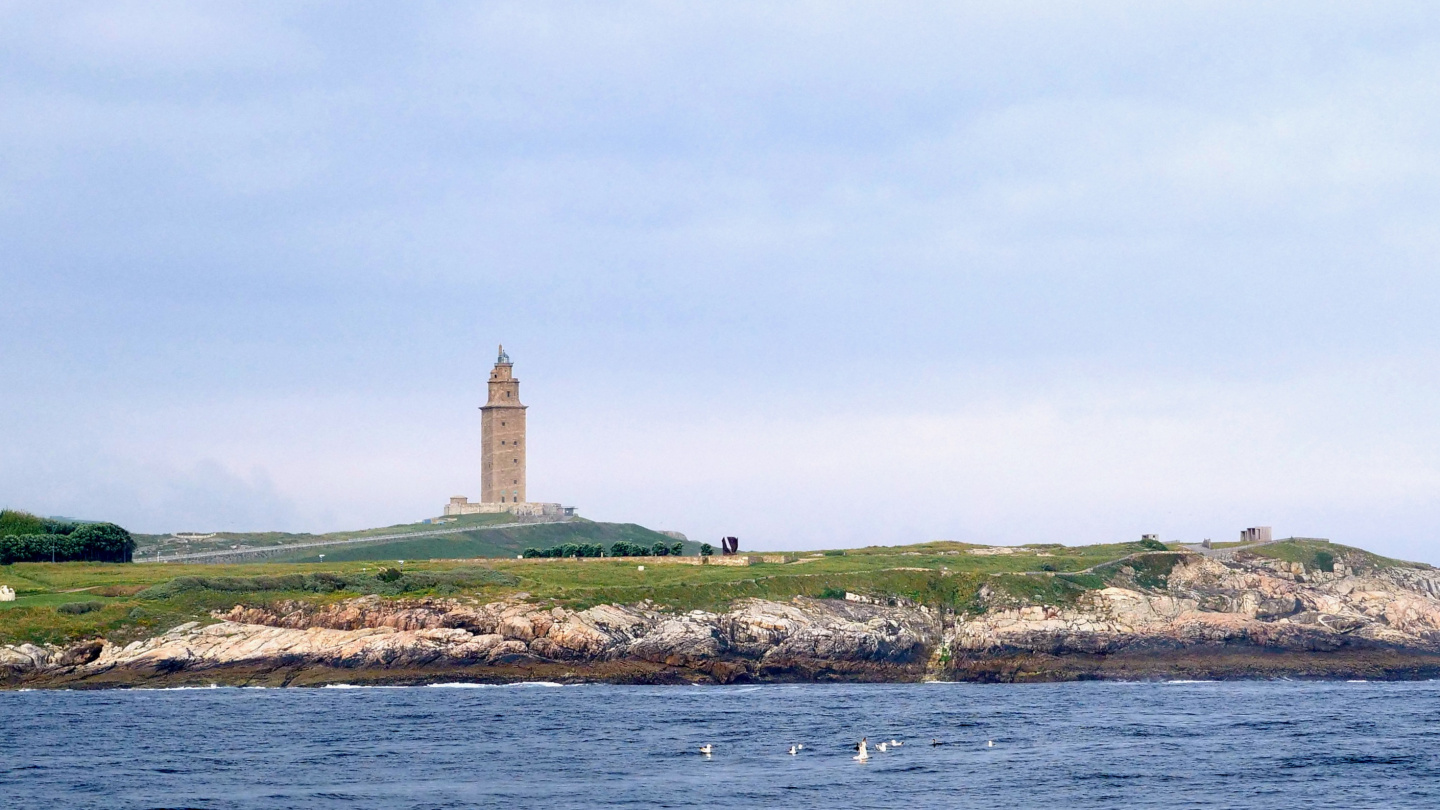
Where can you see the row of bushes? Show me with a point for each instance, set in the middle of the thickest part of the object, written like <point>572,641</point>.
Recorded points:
<point>619,548</point>
<point>65,542</point>
<point>567,550</point>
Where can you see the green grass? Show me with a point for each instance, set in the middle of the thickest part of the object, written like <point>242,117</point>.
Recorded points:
<point>143,599</point>
<point>1308,553</point>
<point>507,542</point>
<point>148,544</point>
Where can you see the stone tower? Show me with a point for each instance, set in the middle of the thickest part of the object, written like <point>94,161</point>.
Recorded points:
<point>502,438</point>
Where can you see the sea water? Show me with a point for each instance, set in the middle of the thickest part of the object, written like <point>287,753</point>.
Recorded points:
<point>1079,745</point>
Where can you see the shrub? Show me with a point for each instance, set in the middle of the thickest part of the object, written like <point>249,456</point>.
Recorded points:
<point>835,552</point>
<point>832,593</point>
<point>13,521</point>
<point>388,574</point>
<point>76,608</point>
<point>1325,561</point>
<point>62,542</point>
<point>1152,545</point>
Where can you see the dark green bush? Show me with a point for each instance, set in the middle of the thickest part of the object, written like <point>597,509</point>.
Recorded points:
<point>64,542</point>
<point>76,608</point>
<point>832,593</point>
<point>389,575</point>
<point>706,550</point>
<point>835,552</point>
<point>1152,545</point>
<point>677,549</point>
<point>1325,561</point>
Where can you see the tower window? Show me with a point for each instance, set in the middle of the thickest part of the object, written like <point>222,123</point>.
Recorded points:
<point>517,461</point>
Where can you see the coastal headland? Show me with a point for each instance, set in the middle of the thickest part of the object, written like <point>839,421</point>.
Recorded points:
<point>936,611</point>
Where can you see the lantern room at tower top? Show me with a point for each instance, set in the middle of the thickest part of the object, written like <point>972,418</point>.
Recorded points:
<point>502,452</point>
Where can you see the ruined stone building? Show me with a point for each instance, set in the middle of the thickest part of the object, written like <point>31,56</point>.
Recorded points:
<point>502,451</point>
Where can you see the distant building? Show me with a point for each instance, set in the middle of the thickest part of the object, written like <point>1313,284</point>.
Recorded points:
<point>1255,534</point>
<point>502,453</point>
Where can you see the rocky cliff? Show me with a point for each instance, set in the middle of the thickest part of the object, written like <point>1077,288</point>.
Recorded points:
<point>1163,615</point>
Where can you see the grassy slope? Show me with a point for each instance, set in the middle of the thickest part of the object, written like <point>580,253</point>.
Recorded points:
<point>931,574</point>
<point>148,544</point>
<point>506,542</point>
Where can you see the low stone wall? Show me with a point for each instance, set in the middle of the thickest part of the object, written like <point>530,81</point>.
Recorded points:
<point>735,559</point>
<point>463,506</point>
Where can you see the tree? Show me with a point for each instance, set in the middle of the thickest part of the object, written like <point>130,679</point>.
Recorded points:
<point>100,542</point>
<point>706,550</point>
<point>677,548</point>
<point>659,549</point>
<point>530,553</point>
<point>620,548</point>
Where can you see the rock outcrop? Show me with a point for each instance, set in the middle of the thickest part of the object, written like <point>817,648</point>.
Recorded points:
<point>1209,618</point>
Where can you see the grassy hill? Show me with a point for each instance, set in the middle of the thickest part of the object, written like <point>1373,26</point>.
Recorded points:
<point>148,544</point>
<point>494,542</point>
<point>124,602</point>
<point>493,536</point>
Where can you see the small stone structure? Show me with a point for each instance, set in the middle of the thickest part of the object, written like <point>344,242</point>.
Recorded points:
<point>7,594</point>
<point>1255,534</point>
<point>461,505</point>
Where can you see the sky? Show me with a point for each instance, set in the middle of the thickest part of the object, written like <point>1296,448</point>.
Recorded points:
<point>812,274</point>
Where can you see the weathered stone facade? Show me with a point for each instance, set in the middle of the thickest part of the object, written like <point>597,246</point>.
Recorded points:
<point>502,453</point>
<point>502,438</point>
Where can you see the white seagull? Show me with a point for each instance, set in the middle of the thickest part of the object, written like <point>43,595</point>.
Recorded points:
<point>895,743</point>
<point>863,755</point>
<point>881,747</point>
<point>794,750</point>
<point>706,749</point>
<point>989,743</point>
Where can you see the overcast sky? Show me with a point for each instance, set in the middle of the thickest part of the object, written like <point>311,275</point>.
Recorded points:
<point>813,274</point>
